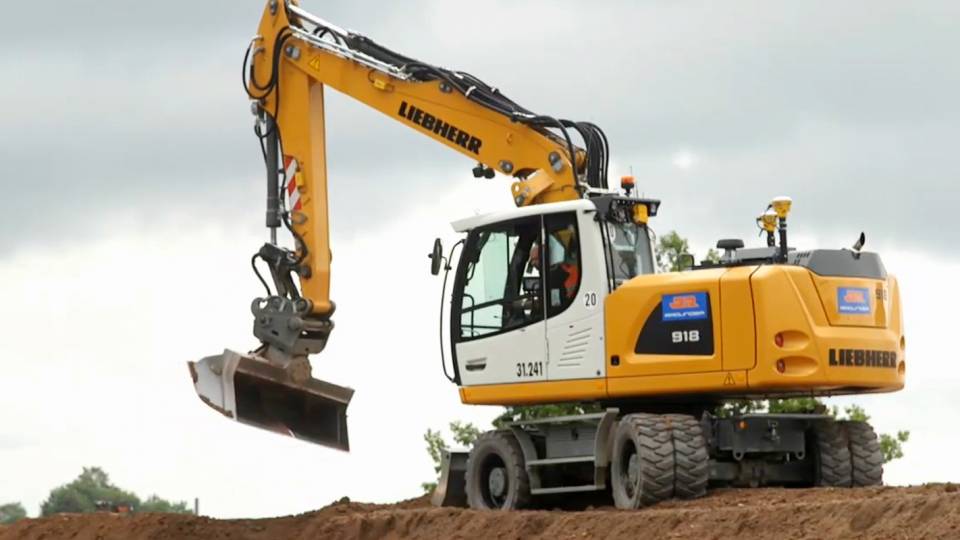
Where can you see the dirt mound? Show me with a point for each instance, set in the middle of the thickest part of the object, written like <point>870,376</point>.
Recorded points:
<point>931,511</point>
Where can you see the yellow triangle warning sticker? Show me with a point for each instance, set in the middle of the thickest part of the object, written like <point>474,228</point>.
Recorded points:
<point>729,381</point>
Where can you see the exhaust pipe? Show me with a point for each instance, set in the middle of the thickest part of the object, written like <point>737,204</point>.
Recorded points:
<point>251,390</point>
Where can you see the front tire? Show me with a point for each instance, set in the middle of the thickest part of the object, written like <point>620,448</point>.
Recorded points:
<point>496,477</point>
<point>642,468</point>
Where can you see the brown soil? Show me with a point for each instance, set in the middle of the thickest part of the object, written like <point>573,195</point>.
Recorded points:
<point>931,511</point>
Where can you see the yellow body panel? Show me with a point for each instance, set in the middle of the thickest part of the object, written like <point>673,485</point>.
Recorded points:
<point>677,385</point>
<point>804,317</point>
<point>534,392</point>
<point>827,287</point>
<point>737,320</point>
<point>485,136</point>
<point>749,307</point>
<point>628,308</point>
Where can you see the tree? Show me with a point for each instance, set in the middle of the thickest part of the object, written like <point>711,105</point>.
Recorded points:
<point>669,248</point>
<point>712,256</point>
<point>11,512</point>
<point>463,434</point>
<point>93,486</point>
<point>154,503</point>
<point>83,493</point>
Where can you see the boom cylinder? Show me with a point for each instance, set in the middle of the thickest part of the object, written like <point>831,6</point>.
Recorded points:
<point>273,184</point>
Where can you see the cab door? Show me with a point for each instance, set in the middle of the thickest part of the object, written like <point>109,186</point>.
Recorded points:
<point>576,286</point>
<point>498,312</point>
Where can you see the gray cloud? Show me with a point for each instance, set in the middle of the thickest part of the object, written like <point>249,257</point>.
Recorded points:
<point>850,108</point>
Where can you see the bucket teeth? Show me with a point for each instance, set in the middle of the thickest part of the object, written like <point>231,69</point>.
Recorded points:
<point>249,389</point>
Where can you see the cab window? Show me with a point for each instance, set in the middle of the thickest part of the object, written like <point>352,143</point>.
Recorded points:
<point>562,261</point>
<point>501,287</point>
<point>628,251</point>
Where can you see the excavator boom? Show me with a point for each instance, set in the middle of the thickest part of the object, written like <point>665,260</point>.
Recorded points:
<point>288,65</point>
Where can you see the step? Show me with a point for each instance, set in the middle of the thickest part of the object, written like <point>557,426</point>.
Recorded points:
<point>559,461</point>
<point>565,489</point>
<point>574,419</point>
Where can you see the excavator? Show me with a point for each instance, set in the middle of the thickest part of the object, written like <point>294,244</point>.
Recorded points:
<point>558,300</point>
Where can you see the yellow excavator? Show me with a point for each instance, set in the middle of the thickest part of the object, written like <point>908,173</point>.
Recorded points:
<point>558,300</point>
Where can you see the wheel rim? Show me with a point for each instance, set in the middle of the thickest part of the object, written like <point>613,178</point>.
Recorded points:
<point>629,469</point>
<point>495,483</point>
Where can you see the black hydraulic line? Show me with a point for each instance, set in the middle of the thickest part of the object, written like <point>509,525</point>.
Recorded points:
<point>253,263</point>
<point>489,97</point>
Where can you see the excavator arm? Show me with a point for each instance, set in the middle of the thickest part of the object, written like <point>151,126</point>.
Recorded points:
<point>289,63</point>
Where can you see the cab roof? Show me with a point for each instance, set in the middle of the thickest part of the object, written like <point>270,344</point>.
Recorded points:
<point>470,223</point>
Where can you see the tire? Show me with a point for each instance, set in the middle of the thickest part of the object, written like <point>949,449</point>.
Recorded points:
<point>690,455</point>
<point>866,459</point>
<point>832,466</point>
<point>642,468</point>
<point>496,477</point>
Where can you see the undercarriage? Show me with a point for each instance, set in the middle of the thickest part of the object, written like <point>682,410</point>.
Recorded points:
<point>641,458</point>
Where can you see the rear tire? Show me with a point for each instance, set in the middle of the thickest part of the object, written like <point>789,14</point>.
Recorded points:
<point>832,466</point>
<point>642,468</point>
<point>866,458</point>
<point>691,459</point>
<point>496,477</point>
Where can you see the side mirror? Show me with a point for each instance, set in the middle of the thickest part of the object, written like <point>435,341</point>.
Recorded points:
<point>685,261</point>
<point>436,257</point>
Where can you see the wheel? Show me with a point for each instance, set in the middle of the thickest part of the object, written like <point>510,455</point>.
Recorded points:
<point>691,459</point>
<point>496,478</point>
<point>642,462</point>
<point>832,467</point>
<point>866,459</point>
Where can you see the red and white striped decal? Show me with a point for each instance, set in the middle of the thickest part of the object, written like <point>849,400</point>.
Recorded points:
<point>291,167</point>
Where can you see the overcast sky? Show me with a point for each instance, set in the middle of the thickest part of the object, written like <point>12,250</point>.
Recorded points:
<point>133,196</point>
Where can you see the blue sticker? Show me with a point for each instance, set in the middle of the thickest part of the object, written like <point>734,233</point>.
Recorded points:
<point>853,301</point>
<point>685,307</point>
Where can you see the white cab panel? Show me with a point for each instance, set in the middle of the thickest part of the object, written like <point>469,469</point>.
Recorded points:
<point>575,336</point>
<point>515,356</point>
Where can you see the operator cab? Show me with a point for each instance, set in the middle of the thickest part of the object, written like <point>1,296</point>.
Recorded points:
<point>540,273</point>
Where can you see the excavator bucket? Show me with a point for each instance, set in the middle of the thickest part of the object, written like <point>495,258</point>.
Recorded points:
<point>249,389</point>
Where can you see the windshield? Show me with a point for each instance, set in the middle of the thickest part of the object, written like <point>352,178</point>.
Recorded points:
<point>629,251</point>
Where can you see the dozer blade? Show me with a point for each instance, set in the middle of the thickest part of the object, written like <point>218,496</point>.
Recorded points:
<point>250,390</point>
<point>451,488</point>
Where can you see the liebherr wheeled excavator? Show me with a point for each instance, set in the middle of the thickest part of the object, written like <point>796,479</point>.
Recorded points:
<point>558,300</point>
